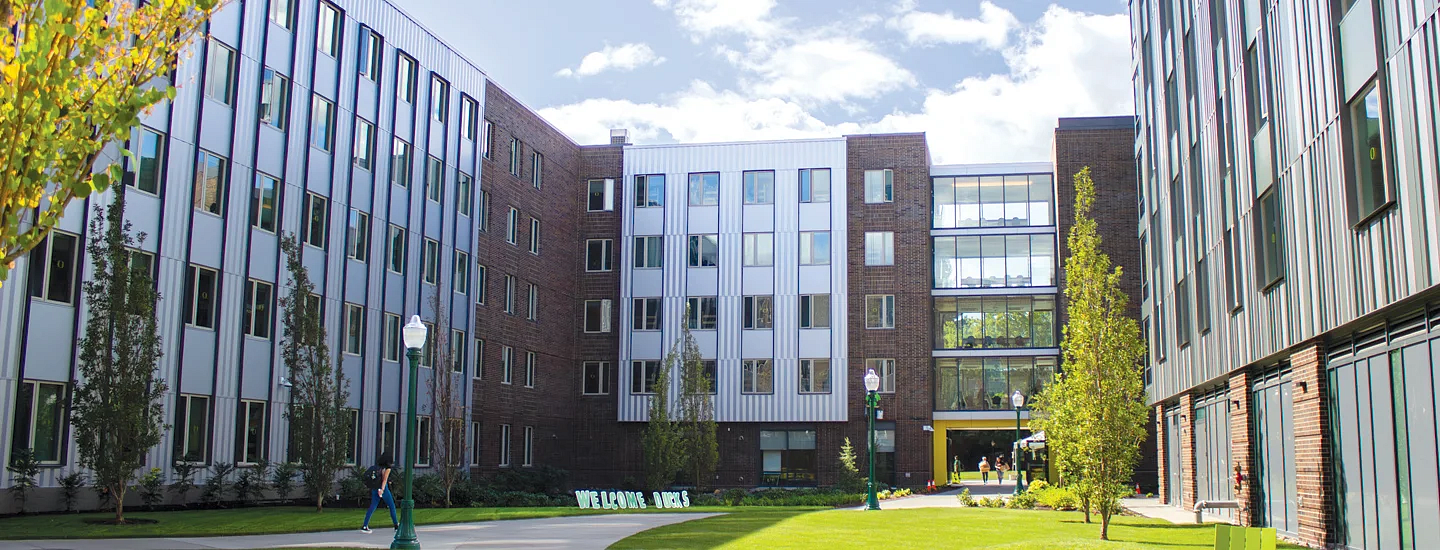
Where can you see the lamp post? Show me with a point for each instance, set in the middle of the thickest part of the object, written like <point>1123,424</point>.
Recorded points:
<point>872,400</point>
<point>414,337</point>
<point>1018,400</point>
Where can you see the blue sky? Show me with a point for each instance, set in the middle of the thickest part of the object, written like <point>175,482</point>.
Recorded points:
<point>984,79</point>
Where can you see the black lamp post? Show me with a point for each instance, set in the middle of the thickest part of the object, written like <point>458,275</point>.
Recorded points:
<point>1018,400</point>
<point>405,537</point>
<point>872,400</point>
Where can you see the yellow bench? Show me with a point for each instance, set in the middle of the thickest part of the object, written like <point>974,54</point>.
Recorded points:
<point>1234,537</point>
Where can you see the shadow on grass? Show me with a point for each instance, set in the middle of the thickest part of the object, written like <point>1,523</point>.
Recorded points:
<point>712,532</point>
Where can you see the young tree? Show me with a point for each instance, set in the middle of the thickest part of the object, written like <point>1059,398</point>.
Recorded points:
<point>661,441</point>
<point>319,418</point>
<point>447,402</point>
<point>698,446</point>
<point>1094,414</point>
<point>75,76</point>
<point>850,480</point>
<point>118,411</point>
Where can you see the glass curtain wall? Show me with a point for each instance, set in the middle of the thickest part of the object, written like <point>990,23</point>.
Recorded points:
<point>976,322</point>
<point>993,201</point>
<point>994,261</point>
<point>986,383</point>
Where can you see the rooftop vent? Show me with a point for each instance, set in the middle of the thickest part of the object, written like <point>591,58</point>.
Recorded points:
<point>619,136</point>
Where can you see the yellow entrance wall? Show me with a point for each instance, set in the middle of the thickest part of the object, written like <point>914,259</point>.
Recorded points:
<point>940,465</point>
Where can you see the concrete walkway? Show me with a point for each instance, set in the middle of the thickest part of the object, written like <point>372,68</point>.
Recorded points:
<point>1154,508</point>
<point>576,532</point>
<point>948,498</point>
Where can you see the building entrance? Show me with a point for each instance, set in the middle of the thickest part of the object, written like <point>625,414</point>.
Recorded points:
<point>969,446</point>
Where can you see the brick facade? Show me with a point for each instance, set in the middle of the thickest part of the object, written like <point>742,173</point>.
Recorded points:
<point>1158,429</point>
<point>1312,444</point>
<point>1187,453</point>
<point>1241,455</point>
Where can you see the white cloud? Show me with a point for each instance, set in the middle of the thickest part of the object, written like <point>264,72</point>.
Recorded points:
<point>708,17</point>
<point>824,70</point>
<point>992,29</point>
<point>625,57</point>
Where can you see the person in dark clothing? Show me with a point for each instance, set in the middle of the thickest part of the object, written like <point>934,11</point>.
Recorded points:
<point>378,479</point>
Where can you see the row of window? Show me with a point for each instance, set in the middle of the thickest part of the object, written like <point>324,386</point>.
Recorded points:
<point>993,201</point>
<point>701,313</point>
<point>757,376</point>
<point>992,261</point>
<point>981,322</point>
<point>757,249</point>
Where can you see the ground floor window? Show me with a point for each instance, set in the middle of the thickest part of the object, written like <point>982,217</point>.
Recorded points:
<point>885,453</point>
<point>787,458</point>
<point>1213,476</point>
<point>1273,417</point>
<point>39,420</point>
<point>192,440</point>
<point>388,427</point>
<point>1172,456</point>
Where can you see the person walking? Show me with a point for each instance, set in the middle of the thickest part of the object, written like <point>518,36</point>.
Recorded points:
<point>1001,468</point>
<point>984,471</point>
<point>955,471</point>
<point>377,479</point>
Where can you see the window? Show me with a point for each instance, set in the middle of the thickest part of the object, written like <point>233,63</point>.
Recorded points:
<point>479,359</point>
<point>274,99</point>
<point>439,99</point>
<point>193,419</point>
<point>358,238</point>
<point>512,226</point>
<point>315,305</point>
<point>650,191</point>
<point>149,148</point>
<point>352,443</point>
<point>354,329</point>
<point>252,432</point>
<point>529,454</point>
<point>537,165</point>
<point>974,322</point>
<point>595,378</point>
<point>507,364</point>
<point>757,376</point>
<point>405,78</point>
<point>646,313</point>
<point>704,251</point>
<point>515,156</point>
<point>814,248</point>
<point>210,178</point>
<point>463,183</point>
<point>142,263</point>
<point>327,35</point>
<point>1014,200</point>
<point>759,249</point>
<point>475,444</point>
<point>815,311</point>
<point>1270,265</point>
<point>597,254</point>
<point>322,124</point>
<point>643,376</point>
<point>258,297</point>
<point>482,222</point>
<point>529,369</point>
<point>488,144</point>
<point>53,268</point>
<point>389,427</point>
<point>392,339</point>
<point>814,376</point>
<point>431,261</point>
<point>457,350</point>
<point>705,189</point>
<point>879,186</point>
<point>648,252</point>
<point>504,445</point>
<point>200,285</point>
<point>364,144</point>
<point>219,70</point>
<point>281,12</point>
<point>315,220</point>
<point>469,117</point>
<point>700,313</point>
<point>461,281</point>
<point>481,284</point>
<point>40,420</point>
<point>371,50</point>
<point>400,163</point>
<point>509,294</point>
<point>759,312</point>
<point>879,248</point>
<point>399,249</point>
<point>601,196</point>
<point>975,261</point>
<point>880,311</point>
<point>597,315</point>
<point>1368,154</point>
<point>1202,295</point>
<point>534,235</point>
<point>787,457</point>
<point>534,303</point>
<point>760,187</point>
<point>427,352</point>
<point>985,383</point>
<point>434,179</point>
<point>815,185</point>
<point>424,433</point>
<point>885,368</point>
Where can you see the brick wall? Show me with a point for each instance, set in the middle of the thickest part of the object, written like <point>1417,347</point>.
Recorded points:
<point>908,216</point>
<point>1187,452</point>
<point>1158,428</point>
<point>1240,449</point>
<point>1312,446</point>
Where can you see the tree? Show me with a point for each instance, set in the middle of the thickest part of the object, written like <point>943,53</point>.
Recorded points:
<point>447,402</point>
<point>318,415</point>
<point>850,480</point>
<point>698,446</point>
<point>1094,414</point>
<point>75,77</point>
<point>118,410</point>
<point>661,441</point>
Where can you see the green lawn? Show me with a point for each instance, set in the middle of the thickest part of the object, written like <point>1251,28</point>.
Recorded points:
<point>271,520</point>
<point>920,528</point>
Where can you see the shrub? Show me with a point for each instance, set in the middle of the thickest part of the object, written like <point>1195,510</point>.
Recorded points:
<point>545,479</point>
<point>23,468</point>
<point>213,491</point>
<point>801,497</point>
<point>429,490</point>
<point>249,483</point>
<point>992,502</point>
<point>965,498</point>
<point>152,488</point>
<point>1025,501</point>
<point>1037,486</point>
<point>70,485</point>
<point>733,497</point>
<point>1057,498</point>
<point>352,487</point>
<point>282,479</point>
<point>705,499</point>
<point>184,480</point>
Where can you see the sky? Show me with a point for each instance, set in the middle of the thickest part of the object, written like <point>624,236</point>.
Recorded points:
<point>985,80</point>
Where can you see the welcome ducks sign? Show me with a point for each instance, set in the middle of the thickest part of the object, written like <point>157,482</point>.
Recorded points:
<point>617,500</point>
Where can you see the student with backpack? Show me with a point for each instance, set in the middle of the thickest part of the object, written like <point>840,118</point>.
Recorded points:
<point>377,478</point>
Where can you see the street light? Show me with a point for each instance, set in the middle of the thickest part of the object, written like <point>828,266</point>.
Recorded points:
<point>1018,400</point>
<point>414,336</point>
<point>872,400</point>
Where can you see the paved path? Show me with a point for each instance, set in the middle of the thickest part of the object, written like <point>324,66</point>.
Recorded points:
<point>576,532</point>
<point>947,498</point>
<point>1154,508</point>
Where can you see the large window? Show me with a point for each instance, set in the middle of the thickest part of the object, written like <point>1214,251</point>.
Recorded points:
<point>787,458</point>
<point>463,184</point>
<point>597,254</point>
<point>219,72</point>
<point>994,201</point>
<point>760,187</point>
<point>757,376</point>
<point>643,375</point>
<point>400,163</point>
<point>210,177</point>
<point>322,123</point>
<point>399,245</point>
<point>600,196</point>
<point>389,427</point>
<point>439,99</point>
<point>814,376</point>
<point>594,377</point>
<point>431,261</point>
<point>457,350</point>
<point>149,148</point>
<point>705,189</point>
<point>879,186</point>
<point>994,322</point>
<point>649,252</point>
<point>700,313</point>
<point>200,299</point>
<point>371,51</point>
<point>258,297</point>
<point>759,312</point>
<point>405,77</point>
<point>885,369</point>
<point>327,35</point>
<point>1367,153</point>
<point>460,278</point>
<point>880,311</point>
<point>469,117</point>
<point>434,179</point>
<point>252,432</point>
<point>1269,239</point>
<point>274,98</point>
<point>646,314</point>
<point>815,185</point>
<point>814,248</point>
<point>281,12</point>
<point>650,191</point>
<point>879,248</point>
<point>986,383</point>
<point>704,251</point>
<point>597,315</point>
<point>316,218</point>
<point>192,424</point>
<point>52,268</point>
<point>392,339</point>
<point>758,249</point>
<point>354,329</point>
<point>993,261</point>
<point>40,420</point>
<point>424,436</point>
<point>815,311</point>
<point>262,202</point>
<point>357,239</point>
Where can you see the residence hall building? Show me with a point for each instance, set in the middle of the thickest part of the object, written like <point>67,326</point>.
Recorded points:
<point>563,272</point>
<point>1288,160</point>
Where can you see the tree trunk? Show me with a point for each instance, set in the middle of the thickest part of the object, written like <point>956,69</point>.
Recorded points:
<point>319,503</point>
<point>1085,503</point>
<point>119,503</point>
<point>1104,525</point>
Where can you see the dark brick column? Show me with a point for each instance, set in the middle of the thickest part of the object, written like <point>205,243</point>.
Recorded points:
<point>1160,450</point>
<point>1312,446</point>
<point>1240,449</point>
<point>1187,452</point>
